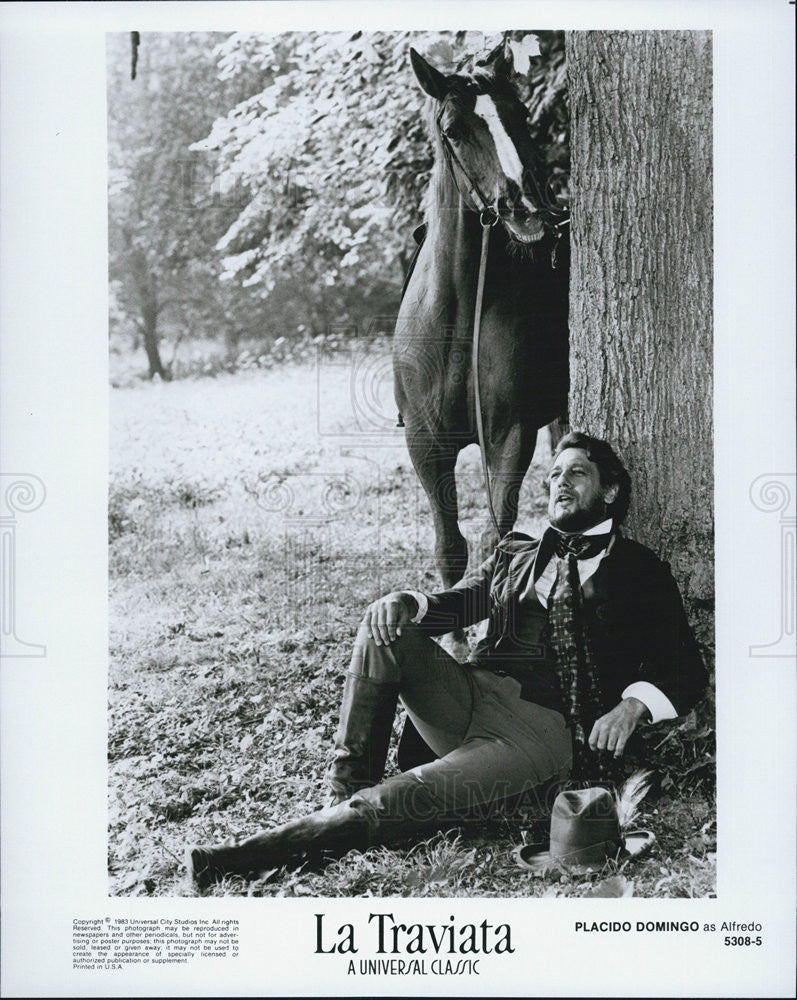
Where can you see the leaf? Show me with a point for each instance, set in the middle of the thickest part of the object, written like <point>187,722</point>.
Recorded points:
<point>246,742</point>
<point>129,881</point>
<point>615,887</point>
<point>523,52</point>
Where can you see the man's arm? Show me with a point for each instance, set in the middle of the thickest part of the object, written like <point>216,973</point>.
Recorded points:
<point>466,603</point>
<point>659,706</point>
<point>672,674</point>
<point>671,659</point>
<point>612,731</point>
<point>422,602</point>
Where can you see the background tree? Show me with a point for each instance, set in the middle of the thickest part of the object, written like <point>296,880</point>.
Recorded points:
<point>164,214</point>
<point>266,186</point>
<point>641,283</point>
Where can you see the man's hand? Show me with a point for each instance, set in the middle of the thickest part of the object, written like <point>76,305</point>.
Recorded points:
<point>384,618</point>
<point>611,731</point>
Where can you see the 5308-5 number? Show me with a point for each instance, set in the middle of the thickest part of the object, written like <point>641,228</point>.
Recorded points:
<point>744,941</point>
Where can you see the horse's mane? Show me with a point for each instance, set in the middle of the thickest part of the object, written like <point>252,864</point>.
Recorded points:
<point>441,189</point>
<point>442,193</point>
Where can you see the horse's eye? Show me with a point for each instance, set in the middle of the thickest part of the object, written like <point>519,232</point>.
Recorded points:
<point>452,133</point>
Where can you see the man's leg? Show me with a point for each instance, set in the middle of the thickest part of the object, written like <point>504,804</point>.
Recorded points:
<point>441,692</point>
<point>511,746</point>
<point>508,747</point>
<point>423,674</point>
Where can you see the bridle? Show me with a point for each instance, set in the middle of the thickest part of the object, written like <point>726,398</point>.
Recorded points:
<point>488,218</point>
<point>488,213</point>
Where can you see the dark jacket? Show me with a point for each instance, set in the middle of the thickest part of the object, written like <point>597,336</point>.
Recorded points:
<point>633,611</point>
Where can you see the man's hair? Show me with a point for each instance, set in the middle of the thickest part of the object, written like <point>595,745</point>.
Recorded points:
<point>611,470</point>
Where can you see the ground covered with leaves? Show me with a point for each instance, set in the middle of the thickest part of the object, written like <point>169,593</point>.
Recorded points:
<point>252,516</point>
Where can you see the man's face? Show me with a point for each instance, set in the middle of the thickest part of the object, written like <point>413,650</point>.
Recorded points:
<point>577,500</point>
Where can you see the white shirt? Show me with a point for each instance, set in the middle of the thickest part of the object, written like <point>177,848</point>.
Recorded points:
<point>656,702</point>
<point>586,567</point>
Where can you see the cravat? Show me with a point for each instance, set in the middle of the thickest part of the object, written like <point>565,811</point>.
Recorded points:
<point>581,546</point>
<point>575,664</point>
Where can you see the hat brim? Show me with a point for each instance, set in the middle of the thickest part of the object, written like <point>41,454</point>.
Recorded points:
<point>537,858</point>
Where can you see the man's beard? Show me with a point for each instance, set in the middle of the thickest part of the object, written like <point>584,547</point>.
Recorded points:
<point>581,518</point>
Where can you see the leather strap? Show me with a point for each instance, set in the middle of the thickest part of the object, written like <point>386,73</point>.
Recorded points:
<point>477,399</point>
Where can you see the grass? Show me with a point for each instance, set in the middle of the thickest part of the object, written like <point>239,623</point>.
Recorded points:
<point>252,516</point>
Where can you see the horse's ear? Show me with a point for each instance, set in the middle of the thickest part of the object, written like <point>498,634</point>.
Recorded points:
<point>431,80</point>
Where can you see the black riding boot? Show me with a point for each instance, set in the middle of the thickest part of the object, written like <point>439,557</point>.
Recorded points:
<point>334,830</point>
<point>363,736</point>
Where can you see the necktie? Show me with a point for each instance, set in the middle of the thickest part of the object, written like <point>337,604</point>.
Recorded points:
<point>575,664</point>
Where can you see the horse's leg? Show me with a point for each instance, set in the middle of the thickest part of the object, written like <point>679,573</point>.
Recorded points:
<point>435,464</point>
<point>508,458</point>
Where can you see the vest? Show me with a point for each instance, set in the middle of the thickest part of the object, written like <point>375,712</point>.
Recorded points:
<point>517,642</point>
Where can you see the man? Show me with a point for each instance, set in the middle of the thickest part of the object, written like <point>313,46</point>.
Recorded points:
<point>587,638</point>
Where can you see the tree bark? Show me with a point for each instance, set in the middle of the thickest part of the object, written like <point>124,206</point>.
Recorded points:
<point>146,286</point>
<point>641,283</point>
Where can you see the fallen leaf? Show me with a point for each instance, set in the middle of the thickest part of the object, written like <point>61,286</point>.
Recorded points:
<point>615,887</point>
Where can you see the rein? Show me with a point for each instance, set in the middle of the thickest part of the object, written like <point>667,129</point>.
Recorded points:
<point>477,324</point>
<point>488,217</point>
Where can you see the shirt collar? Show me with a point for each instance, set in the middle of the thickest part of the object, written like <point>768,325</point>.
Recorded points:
<point>604,528</point>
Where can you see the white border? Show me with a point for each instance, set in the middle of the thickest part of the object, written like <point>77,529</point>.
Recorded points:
<point>53,421</point>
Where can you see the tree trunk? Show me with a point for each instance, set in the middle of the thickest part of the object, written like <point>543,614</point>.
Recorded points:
<point>150,331</point>
<point>147,289</point>
<point>641,283</point>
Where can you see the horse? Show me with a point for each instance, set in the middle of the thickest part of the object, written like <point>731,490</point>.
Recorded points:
<point>516,381</point>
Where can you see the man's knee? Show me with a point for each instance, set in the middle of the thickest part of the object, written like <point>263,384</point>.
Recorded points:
<point>373,660</point>
<point>386,661</point>
<point>403,799</point>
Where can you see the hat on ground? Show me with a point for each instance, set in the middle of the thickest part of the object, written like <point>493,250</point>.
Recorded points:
<point>585,834</point>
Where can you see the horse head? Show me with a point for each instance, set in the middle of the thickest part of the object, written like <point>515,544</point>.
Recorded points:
<point>481,125</point>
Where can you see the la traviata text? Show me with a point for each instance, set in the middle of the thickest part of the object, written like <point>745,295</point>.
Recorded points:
<point>387,936</point>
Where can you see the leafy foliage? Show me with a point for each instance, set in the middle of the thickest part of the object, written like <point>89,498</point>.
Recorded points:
<point>335,157</point>
<point>332,153</point>
<point>292,216</point>
<point>686,753</point>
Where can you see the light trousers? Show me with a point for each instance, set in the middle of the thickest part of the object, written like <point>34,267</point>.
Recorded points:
<point>490,743</point>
